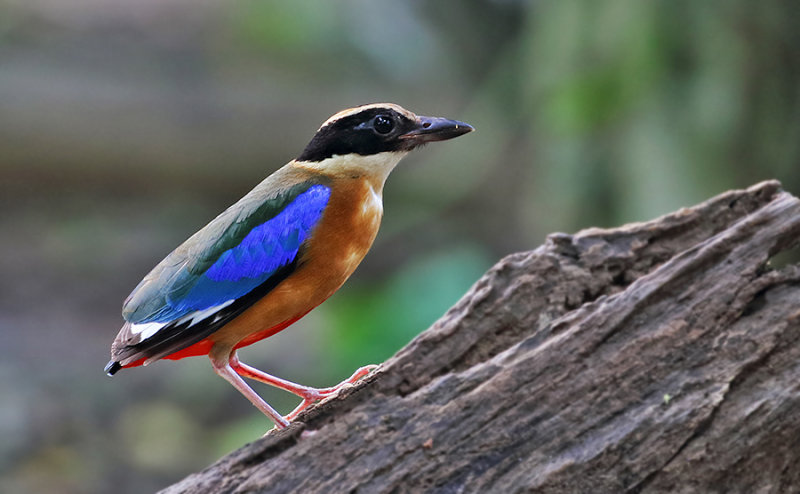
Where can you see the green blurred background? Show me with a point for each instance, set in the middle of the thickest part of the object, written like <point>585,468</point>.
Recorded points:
<point>127,125</point>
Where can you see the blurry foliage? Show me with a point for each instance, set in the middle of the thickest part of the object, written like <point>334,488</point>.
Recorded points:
<point>128,125</point>
<point>376,321</point>
<point>641,107</point>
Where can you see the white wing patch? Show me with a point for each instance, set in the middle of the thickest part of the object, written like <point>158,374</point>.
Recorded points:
<point>148,329</point>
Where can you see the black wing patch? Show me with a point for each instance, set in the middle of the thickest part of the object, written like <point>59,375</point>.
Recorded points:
<point>180,336</point>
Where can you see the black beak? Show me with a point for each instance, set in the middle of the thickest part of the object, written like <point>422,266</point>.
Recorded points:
<point>430,129</point>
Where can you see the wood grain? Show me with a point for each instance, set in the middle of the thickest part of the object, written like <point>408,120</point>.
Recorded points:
<point>655,357</point>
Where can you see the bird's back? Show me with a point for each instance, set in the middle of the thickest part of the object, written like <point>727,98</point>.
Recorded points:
<point>177,305</point>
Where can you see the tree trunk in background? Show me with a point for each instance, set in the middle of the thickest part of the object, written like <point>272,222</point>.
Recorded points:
<point>655,357</point>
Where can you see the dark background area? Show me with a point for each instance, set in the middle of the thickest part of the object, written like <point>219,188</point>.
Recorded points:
<point>126,126</point>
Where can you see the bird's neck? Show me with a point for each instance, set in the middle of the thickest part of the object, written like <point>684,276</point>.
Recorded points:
<point>373,168</point>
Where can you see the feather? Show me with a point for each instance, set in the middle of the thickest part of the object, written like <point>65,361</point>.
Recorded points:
<point>223,269</point>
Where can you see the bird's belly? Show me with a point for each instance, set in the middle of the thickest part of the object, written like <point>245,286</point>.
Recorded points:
<point>335,249</point>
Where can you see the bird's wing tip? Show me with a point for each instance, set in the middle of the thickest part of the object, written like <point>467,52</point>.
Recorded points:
<point>112,368</point>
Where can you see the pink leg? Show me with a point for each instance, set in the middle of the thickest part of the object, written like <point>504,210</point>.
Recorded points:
<point>308,394</point>
<point>222,366</point>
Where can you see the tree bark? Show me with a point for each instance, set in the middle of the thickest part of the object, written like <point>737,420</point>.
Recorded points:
<point>655,357</point>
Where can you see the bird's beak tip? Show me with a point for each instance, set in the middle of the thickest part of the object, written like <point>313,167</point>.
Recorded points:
<point>430,129</point>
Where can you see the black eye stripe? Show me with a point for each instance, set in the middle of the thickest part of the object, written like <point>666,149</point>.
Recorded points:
<point>362,133</point>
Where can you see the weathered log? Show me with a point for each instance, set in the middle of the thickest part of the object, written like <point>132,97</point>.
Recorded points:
<point>656,357</point>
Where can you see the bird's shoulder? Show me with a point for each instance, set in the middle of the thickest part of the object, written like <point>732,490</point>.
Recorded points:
<point>156,295</point>
<point>264,202</point>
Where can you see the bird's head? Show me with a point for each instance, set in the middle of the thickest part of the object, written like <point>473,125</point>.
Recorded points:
<point>375,136</point>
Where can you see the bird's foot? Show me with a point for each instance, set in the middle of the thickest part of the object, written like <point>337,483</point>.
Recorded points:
<point>313,395</point>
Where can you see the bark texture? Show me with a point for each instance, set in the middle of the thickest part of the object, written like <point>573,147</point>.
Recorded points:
<point>655,357</point>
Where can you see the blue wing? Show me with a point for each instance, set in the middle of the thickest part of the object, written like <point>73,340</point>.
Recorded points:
<point>228,259</point>
<point>221,270</point>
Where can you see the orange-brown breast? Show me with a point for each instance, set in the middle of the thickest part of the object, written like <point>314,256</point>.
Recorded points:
<point>338,244</point>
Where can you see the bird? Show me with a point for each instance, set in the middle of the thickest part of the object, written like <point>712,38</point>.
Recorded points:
<point>276,254</point>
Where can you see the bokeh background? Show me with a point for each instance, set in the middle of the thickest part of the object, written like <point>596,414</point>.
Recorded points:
<point>126,125</point>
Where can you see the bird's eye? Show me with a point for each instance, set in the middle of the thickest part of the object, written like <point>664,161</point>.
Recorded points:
<point>383,124</point>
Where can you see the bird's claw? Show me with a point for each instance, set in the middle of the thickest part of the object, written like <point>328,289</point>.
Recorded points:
<point>313,395</point>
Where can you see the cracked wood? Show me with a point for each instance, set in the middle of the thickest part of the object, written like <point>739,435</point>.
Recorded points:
<point>654,357</point>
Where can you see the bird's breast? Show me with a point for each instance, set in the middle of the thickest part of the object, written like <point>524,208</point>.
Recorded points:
<point>345,233</point>
<point>336,247</point>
